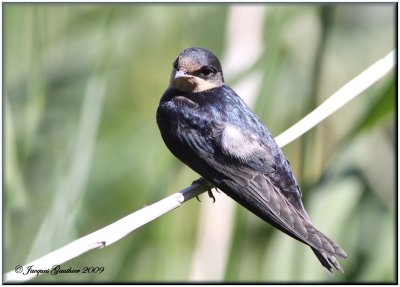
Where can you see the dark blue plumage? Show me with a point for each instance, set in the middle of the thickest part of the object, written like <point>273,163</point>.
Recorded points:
<point>207,126</point>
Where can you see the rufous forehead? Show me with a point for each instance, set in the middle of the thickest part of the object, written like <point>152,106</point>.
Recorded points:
<point>189,64</point>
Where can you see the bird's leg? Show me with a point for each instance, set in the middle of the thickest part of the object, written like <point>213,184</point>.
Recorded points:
<point>204,182</point>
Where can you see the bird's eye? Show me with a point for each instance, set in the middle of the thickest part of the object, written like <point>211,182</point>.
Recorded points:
<point>207,71</point>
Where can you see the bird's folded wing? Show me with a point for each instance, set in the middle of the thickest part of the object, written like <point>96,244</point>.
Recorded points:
<point>246,177</point>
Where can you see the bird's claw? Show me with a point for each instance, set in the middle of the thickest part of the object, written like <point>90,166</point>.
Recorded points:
<point>211,195</point>
<point>204,182</point>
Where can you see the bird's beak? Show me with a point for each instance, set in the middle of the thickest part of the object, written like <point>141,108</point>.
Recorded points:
<point>182,81</point>
<point>180,74</point>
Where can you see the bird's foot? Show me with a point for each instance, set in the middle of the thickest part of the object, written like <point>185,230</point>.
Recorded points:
<point>209,186</point>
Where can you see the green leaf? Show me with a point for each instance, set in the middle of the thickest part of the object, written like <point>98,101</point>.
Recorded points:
<point>379,110</point>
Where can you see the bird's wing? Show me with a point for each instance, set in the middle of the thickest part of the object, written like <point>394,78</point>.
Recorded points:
<point>247,171</point>
<point>262,157</point>
<point>266,179</point>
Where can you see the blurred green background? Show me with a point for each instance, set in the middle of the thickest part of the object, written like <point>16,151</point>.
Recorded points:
<point>82,84</point>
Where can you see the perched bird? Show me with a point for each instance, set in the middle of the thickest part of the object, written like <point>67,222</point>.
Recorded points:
<point>207,126</point>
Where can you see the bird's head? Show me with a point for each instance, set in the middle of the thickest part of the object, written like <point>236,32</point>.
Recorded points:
<point>196,70</point>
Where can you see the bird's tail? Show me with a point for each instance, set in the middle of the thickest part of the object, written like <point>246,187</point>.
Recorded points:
<point>328,258</point>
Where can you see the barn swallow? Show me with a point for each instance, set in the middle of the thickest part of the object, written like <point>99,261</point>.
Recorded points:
<point>207,126</point>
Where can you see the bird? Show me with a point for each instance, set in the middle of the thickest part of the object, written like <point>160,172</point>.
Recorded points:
<point>208,127</point>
